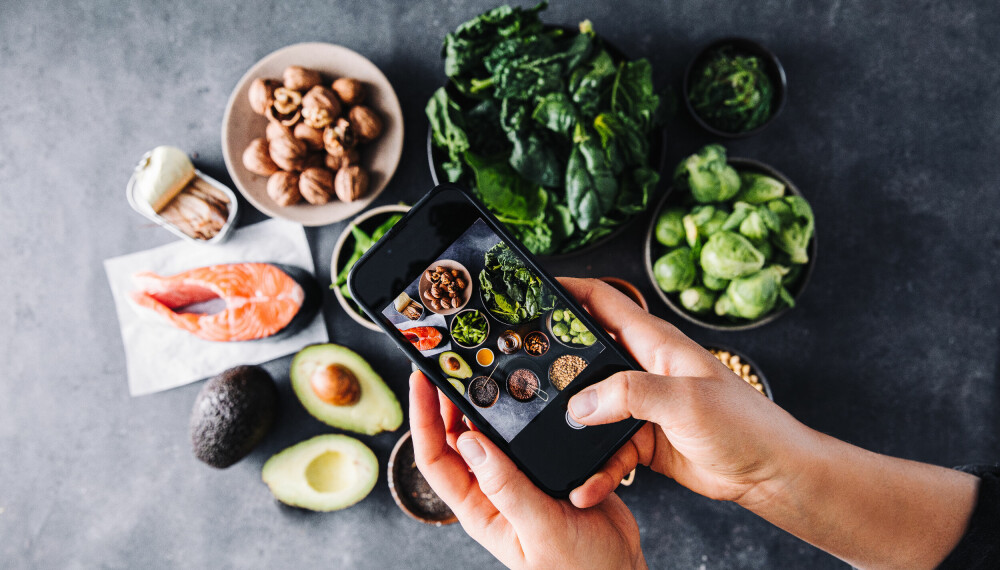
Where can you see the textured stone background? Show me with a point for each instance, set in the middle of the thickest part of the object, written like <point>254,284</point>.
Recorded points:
<point>891,131</point>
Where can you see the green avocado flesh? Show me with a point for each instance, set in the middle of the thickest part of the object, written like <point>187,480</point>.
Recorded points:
<point>377,409</point>
<point>454,365</point>
<point>232,414</point>
<point>325,473</point>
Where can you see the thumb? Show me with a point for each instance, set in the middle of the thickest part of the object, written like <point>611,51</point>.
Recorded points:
<point>629,394</point>
<point>523,504</point>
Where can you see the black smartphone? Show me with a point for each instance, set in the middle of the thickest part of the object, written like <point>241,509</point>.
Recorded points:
<point>470,306</point>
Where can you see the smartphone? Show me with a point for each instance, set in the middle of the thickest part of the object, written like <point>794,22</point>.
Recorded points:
<point>470,306</point>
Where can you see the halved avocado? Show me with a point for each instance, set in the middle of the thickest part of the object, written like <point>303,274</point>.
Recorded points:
<point>325,473</point>
<point>376,409</point>
<point>454,365</point>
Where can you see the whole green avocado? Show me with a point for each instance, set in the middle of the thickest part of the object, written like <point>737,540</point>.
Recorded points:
<point>232,414</point>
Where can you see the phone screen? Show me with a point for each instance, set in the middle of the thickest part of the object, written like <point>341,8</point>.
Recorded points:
<point>494,328</point>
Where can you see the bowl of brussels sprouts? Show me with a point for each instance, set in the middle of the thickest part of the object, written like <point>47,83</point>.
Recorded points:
<point>732,243</point>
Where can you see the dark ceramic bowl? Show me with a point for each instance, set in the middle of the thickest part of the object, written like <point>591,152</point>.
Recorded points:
<point>772,67</point>
<point>406,503</point>
<point>753,367</point>
<point>657,154</point>
<point>654,250</point>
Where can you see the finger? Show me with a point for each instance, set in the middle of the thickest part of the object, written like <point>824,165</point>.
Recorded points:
<point>443,468</point>
<point>523,504</point>
<point>653,342</point>
<point>633,394</point>
<point>601,484</point>
<point>452,418</point>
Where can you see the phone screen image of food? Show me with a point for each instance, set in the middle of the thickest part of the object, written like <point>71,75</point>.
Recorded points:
<point>495,330</point>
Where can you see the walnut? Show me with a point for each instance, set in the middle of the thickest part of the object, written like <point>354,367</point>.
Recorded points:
<point>312,137</point>
<point>276,129</point>
<point>366,123</point>
<point>320,107</point>
<point>350,91</point>
<point>261,94</point>
<point>316,185</point>
<point>335,384</point>
<point>283,188</point>
<point>315,159</point>
<point>256,158</point>
<point>287,152</point>
<point>301,79</point>
<point>340,132</point>
<point>338,157</point>
<point>286,108</point>
<point>351,183</point>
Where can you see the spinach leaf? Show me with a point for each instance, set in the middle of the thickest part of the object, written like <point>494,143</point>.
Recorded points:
<point>556,112</point>
<point>632,94</point>
<point>446,127</point>
<point>535,156</point>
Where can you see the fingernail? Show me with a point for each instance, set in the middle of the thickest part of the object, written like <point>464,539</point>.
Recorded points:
<point>471,451</point>
<point>583,404</point>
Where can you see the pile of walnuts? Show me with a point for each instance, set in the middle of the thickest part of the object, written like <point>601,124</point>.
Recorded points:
<point>310,147</point>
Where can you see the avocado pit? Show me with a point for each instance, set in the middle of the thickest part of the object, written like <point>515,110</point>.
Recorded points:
<point>335,384</point>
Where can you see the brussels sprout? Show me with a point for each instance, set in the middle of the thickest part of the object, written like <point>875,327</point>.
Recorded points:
<point>669,229</point>
<point>559,329</point>
<point>587,338</point>
<point>714,283</point>
<point>753,296</point>
<point>740,212</point>
<point>757,188</point>
<point>729,255</point>
<point>675,270</point>
<point>707,175</point>
<point>557,316</point>
<point>697,299</point>
<point>764,247</point>
<point>753,227</point>
<point>577,326</point>
<point>690,230</point>
<point>797,225</point>
<point>715,224</point>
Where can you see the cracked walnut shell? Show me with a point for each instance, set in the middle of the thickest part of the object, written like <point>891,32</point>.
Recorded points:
<point>283,188</point>
<point>320,107</point>
<point>316,185</point>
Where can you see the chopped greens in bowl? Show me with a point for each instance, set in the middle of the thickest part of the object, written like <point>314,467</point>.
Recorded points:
<point>550,127</point>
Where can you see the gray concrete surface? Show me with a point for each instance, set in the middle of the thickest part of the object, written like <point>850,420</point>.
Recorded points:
<point>891,131</point>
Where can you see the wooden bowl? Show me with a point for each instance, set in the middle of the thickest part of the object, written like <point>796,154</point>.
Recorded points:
<point>425,285</point>
<point>240,125</point>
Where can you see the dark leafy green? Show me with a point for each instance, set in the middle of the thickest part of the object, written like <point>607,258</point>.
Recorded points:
<point>362,243</point>
<point>510,290</point>
<point>731,91</point>
<point>552,132</point>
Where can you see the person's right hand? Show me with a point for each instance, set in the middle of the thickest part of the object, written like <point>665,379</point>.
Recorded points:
<point>708,429</point>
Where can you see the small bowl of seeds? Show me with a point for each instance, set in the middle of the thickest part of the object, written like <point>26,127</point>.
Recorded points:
<point>745,368</point>
<point>565,369</point>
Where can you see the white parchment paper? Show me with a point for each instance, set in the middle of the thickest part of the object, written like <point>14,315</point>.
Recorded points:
<point>159,356</point>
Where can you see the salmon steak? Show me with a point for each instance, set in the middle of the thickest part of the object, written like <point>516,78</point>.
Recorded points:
<point>424,338</point>
<point>258,300</point>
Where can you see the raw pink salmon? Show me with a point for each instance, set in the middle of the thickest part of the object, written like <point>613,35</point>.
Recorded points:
<point>261,299</point>
<point>424,338</point>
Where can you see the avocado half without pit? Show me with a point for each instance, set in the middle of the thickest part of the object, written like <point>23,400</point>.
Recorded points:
<point>339,388</point>
<point>232,414</point>
<point>325,473</point>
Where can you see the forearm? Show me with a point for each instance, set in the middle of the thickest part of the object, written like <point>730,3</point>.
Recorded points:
<point>870,510</point>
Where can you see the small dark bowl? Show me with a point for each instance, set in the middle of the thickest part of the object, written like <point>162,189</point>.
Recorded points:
<point>657,158</point>
<point>753,367</point>
<point>406,504</point>
<point>772,67</point>
<point>711,320</point>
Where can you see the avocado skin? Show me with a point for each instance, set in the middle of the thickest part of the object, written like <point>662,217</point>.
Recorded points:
<point>232,414</point>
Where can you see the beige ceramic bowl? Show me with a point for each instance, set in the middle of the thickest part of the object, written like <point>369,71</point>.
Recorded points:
<point>240,125</point>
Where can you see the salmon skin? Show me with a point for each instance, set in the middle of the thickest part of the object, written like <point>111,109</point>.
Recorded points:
<point>261,299</point>
<point>424,338</point>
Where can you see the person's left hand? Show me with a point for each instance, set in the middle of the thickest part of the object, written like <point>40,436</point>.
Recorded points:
<point>501,508</point>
